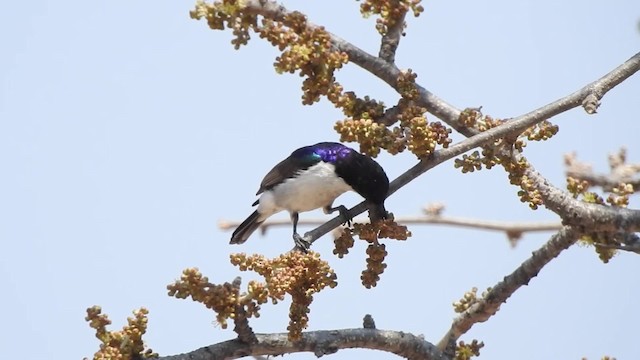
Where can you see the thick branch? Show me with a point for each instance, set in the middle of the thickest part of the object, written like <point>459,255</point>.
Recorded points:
<point>586,216</point>
<point>319,343</point>
<point>499,293</point>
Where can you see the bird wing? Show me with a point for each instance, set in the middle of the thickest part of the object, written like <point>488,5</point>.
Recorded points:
<point>286,169</point>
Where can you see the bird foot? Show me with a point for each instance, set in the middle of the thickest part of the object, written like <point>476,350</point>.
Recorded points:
<point>344,213</point>
<point>301,242</point>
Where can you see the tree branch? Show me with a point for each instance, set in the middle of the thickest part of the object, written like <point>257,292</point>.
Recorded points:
<point>319,343</point>
<point>621,172</point>
<point>242,328</point>
<point>487,306</point>
<point>390,41</point>
<point>503,226</point>
<point>587,217</point>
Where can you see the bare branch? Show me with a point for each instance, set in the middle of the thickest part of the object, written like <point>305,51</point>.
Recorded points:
<point>504,226</point>
<point>319,343</point>
<point>391,40</point>
<point>490,304</point>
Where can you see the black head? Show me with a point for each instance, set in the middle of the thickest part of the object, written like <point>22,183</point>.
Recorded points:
<point>367,178</point>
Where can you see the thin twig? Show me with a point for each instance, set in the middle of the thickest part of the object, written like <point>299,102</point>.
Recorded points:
<point>505,226</point>
<point>390,41</point>
<point>635,248</point>
<point>242,328</point>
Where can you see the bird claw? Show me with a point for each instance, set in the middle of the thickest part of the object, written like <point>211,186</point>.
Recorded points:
<point>301,242</point>
<point>344,213</point>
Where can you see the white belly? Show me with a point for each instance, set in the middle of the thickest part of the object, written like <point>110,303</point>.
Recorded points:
<point>314,188</point>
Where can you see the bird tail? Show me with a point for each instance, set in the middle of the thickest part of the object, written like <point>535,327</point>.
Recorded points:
<point>377,212</point>
<point>244,230</point>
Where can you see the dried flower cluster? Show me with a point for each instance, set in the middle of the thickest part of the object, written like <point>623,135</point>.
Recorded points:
<point>376,252</point>
<point>343,243</point>
<point>222,298</point>
<point>467,351</point>
<point>125,344</point>
<point>300,275</point>
<point>297,274</point>
<point>390,11</point>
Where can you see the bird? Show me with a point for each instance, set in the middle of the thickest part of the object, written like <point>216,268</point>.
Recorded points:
<point>312,177</point>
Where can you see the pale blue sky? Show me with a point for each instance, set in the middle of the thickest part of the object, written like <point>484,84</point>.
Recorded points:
<point>128,130</point>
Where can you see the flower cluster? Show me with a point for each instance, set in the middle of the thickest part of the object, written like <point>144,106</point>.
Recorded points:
<point>577,187</point>
<point>298,274</point>
<point>502,152</point>
<point>467,351</point>
<point>221,298</point>
<point>390,11</point>
<point>125,344</point>
<point>414,132</point>
<point>376,252</point>
<point>620,195</point>
<point>229,14</point>
<point>469,298</point>
<point>301,275</point>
